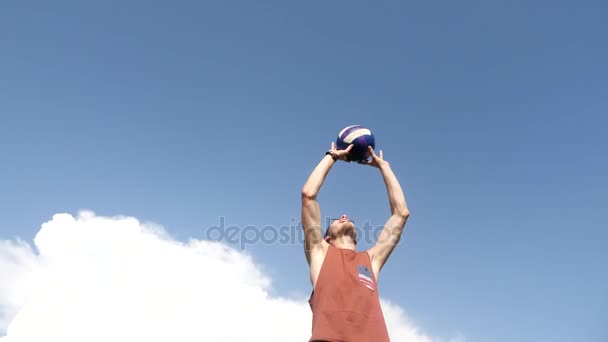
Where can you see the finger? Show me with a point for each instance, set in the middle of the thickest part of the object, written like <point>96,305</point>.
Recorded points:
<point>333,145</point>
<point>372,152</point>
<point>350,147</point>
<point>381,157</point>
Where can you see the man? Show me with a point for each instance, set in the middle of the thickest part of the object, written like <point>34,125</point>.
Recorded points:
<point>345,302</point>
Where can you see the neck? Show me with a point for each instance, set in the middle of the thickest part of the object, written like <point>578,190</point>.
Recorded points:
<point>344,243</point>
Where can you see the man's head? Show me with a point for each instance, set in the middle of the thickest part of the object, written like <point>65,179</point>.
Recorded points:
<point>341,228</point>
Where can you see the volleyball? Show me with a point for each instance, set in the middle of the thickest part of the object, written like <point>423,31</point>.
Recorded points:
<point>360,137</point>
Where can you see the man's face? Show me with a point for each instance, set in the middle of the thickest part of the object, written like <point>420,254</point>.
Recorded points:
<point>340,228</point>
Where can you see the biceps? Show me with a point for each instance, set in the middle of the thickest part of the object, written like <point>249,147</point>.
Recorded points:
<point>311,223</point>
<point>311,214</point>
<point>389,238</point>
<point>387,241</point>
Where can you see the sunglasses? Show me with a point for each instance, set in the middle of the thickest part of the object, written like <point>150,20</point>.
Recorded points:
<point>329,220</point>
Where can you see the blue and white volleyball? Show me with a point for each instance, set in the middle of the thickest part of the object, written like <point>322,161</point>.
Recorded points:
<point>360,137</point>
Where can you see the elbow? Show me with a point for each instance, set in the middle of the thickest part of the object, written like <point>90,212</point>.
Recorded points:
<point>403,214</point>
<point>307,194</point>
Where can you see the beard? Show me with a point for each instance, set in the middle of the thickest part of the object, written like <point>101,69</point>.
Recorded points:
<point>349,231</point>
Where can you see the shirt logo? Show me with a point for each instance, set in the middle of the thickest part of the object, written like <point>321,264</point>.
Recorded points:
<point>365,277</point>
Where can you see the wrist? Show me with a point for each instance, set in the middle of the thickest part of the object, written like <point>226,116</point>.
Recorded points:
<point>384,165</point>
<point>332,154</point>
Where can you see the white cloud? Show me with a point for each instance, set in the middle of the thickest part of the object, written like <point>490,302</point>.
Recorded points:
<point>114,279</point>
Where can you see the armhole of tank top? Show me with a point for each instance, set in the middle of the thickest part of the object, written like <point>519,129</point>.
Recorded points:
<point>321,269</point>
<point>369,258</point>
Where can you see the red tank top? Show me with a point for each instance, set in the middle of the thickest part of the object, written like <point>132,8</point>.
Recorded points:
<point>345,304</point>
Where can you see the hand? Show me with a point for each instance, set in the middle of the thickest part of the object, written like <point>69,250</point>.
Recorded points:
<point>376,161</point>
<point>341,154</point>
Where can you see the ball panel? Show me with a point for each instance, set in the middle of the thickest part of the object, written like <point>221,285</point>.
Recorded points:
<point>347,130</point>
<point>349,138</point>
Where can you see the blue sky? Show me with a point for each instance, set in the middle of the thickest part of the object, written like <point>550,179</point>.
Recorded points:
<point>492,115</point>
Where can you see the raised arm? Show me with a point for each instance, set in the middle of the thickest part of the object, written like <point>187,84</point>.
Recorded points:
<point>391,233</point>
<point>311,211</point>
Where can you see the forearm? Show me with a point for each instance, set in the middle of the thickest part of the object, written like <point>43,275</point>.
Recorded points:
<point>396,197</point>
<point>317,177</point>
